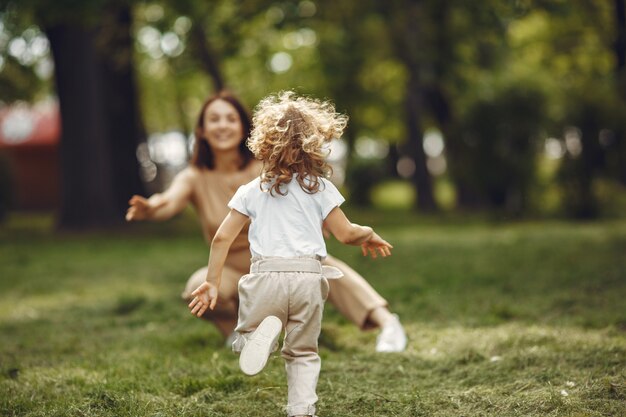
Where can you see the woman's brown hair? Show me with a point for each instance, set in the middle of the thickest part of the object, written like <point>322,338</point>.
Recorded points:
<point>202,156</point>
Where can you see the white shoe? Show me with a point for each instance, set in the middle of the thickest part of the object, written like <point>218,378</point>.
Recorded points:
<point>392,337</point>
<point>259,345</point>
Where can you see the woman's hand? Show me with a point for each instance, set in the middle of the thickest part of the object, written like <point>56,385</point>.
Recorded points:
<point>142,208</point>
<point>376,243</point>
<point>205,296</point>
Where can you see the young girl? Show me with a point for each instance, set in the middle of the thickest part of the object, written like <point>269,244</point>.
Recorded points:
<point>288,205</point>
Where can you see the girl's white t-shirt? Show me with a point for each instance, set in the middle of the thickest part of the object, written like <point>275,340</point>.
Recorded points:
<point>286,225</point>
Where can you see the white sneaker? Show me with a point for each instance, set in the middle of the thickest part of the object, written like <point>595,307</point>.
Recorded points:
<point>392,337</point>
<point>259,345</point>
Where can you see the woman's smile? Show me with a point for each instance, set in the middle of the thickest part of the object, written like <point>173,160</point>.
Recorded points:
<point>222,126</point>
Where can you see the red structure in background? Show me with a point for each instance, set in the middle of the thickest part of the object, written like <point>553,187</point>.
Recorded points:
<point>29,142</point>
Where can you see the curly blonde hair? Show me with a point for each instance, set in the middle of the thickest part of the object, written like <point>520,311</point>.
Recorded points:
<point>289,134</point>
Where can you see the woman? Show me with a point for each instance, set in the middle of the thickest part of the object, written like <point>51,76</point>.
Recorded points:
<point>221,162</point>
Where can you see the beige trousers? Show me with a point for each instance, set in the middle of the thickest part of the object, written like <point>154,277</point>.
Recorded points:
<point>294,290</point>
<point>351,295</point>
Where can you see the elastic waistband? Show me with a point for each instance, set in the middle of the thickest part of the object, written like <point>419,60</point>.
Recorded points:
<point>294,265</point>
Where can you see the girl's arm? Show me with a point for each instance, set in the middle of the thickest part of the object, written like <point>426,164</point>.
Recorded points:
<point>162,206</point>
<point>206,294</point>
<point>353,234</point>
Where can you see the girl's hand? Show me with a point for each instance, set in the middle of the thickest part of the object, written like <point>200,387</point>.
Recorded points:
<point>376,243</point>
<point>205,296</point>
<point>141,208</point>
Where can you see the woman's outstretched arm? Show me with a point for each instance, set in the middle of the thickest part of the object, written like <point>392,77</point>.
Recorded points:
<point>162,206</point>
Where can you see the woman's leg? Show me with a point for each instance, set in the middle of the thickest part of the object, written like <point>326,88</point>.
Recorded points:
<point>355,298</point>
<point>224,316</point>
<point>381,316</point>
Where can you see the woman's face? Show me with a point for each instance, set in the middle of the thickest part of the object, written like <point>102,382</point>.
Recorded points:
<point>222,126</point>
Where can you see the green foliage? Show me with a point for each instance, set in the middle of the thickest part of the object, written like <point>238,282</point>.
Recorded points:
<point>18,82</point>
<point>363,175</point>
<point>394,194</point>
<point>21,80</point>
<point>474,62</point>
<point>594,118</point>
<point>495,159</point>
<point>563,53</point>
<point>52,12</point>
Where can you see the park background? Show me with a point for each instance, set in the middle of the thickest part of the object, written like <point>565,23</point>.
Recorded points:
<point>487,142</point>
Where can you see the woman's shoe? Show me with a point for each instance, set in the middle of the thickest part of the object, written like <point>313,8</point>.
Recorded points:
<point>392,337</point>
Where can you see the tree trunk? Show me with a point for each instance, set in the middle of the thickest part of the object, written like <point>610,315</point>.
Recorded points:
<point>125,129</point>
<point>440,106</point>
<point>100,120</point>
<point>408,45</point>
<point>87,196</point>
<point>421,178</point>
<point>620,39</point>
<point>619,49</point>
<point>207,56</point>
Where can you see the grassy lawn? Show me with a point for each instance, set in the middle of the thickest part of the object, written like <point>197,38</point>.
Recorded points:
<point>506,319</point>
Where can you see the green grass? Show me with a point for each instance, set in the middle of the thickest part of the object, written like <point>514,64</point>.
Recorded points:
<point>504,319</point>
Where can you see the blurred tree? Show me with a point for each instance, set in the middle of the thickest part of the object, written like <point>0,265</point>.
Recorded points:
<point>396,68</point>
<point>92,49</point>
<point>578,54</point>
<point>6,192</point>
<point>405,22</point>
<point>366,81</point>
<point>559,53</point>
<point>24,64</point>
<point>341,53</point>
<point>585,159</point>
<point>210,55</point>
<point>215,32</point>
<point>443,46</point>
<point>499,142</point>
<point>489,145</point>
<point>466,43</point>
<point>18,82</point>
<point>619,49</point>
<point>207,55</point>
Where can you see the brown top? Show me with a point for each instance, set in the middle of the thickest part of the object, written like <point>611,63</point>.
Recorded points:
<point>210,191</point>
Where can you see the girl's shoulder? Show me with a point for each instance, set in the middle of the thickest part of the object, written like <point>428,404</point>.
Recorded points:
<point>254,184</point>
<point>327,185</point>
<point>248,191</point>
<point>329,191</point>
